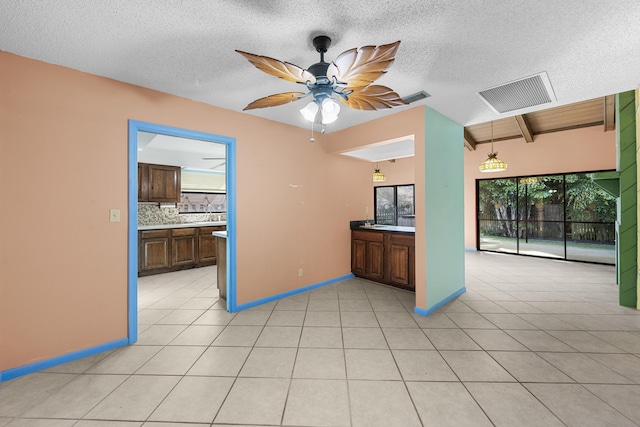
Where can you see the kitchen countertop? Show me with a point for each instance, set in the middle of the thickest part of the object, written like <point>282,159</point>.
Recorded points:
<point>182,225</point>
<point>392,228</point>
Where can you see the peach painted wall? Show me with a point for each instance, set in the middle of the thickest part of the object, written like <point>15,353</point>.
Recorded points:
<point>578,150</point>
<point>63,165</point>
<point>402,171</point>
<point>404,123</point>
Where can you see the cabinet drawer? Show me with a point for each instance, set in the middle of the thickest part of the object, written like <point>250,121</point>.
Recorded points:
<point>183,232</point>
<point>402,239</point>
<point>153,234</point>
<point>368,235</point>
<point>211,229</point>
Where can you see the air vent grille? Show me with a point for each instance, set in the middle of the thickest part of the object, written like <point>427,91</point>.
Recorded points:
<point>415,97</point>
<point>519,94</point>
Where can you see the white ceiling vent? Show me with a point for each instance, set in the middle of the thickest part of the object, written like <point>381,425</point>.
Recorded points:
<point>523,93</point>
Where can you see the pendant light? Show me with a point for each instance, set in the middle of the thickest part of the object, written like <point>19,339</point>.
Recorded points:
<point>378,176</point>
<point>493,163</point>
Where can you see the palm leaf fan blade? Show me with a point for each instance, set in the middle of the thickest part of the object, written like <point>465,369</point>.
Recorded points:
<point>283,70</point>
<point>374,97</point>
<point>361,67</point>
<point>274,100</point>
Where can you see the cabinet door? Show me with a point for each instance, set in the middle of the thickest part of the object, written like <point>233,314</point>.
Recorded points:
<point>154,253</point>
<point>358,257</point>
<point>401,261</point>
<point>375,260</point>
<point>184,246</point>
<point>164,184</point>
<point>207,246</point>
<point>221,250</point>
<point>143,182</point>
<point>399,264</point>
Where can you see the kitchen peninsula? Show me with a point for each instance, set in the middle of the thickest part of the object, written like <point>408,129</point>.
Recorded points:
<point>384,254</point>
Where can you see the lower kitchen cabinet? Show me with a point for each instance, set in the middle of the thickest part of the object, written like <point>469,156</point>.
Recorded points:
<point>184,249</point>
<point>154,250</point>
<point>358,256</point>
<point>367,255</point>
<point>385,257</point>
<point>401,263</point>
<point>171,249</point>
<point>207,246</point>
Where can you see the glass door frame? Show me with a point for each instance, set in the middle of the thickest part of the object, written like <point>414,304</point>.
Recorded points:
<point>518,222</point>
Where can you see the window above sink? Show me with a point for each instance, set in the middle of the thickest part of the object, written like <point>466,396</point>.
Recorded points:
<point>192,202</point>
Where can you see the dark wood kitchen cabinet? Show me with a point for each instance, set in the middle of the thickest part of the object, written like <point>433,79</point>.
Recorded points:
<point>184,248</point>
<point>171,249</point>
<point>401,260</point>
<point>384,257</point>
<point>158,183</point>
<point>143,182</point>
<point>154,250</point>
<point>367,255</point>
<point>207,246</point>
<point>358,256</point>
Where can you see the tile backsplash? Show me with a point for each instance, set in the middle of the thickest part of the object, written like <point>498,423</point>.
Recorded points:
<point>152,214</point>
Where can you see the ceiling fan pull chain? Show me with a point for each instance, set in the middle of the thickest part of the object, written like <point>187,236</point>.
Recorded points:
<point>312,139</point>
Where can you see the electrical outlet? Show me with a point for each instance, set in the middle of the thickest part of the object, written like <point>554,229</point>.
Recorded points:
<point>300,272</point>
<point>114,215</point>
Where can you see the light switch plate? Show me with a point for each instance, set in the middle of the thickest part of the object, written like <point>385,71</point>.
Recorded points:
<point>114,215</point>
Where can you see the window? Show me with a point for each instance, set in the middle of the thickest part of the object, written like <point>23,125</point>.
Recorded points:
<point>395,205</point>
<point>565,216</point>
<point>192,202</point>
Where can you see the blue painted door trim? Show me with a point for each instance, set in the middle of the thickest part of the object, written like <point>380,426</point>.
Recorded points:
<point>134,127</point>
<point>10,374</point>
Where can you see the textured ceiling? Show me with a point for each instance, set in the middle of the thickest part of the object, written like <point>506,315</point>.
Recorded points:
<point>450,48</point>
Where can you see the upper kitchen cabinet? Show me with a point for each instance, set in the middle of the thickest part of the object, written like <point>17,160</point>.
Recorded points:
<point>158,183</point>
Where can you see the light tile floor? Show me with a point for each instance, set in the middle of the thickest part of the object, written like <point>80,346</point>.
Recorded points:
<point>532,342</point>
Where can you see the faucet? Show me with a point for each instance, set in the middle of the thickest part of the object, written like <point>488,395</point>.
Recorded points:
<point>208,209</point>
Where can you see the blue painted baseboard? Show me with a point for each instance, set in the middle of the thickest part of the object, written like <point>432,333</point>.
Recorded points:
<point>471,249</point>
<point>58,360</point>
<point>290,293</point>
<point>438,305</point>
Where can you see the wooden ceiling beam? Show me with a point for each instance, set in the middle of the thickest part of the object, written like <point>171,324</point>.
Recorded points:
<point>469,142</point>
<point>525,129</point>
<point>609,113</point>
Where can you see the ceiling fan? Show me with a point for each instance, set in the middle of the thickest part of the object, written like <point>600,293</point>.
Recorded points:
<point>349,77</point>
<point>224,161</point>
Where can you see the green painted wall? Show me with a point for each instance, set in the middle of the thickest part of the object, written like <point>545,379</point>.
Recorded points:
<point>628,210</point>
<point>444,207</point>
<point>638,175</point>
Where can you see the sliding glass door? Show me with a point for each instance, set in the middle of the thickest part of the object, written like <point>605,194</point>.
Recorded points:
<point>497,206</point>
<point>563,216</point>
<point>542,220</point>
<point>591,217</point>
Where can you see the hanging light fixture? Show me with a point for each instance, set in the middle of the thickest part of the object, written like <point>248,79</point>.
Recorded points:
<point>348,78</point>
<point>493,163</point>
<point>378,176</point>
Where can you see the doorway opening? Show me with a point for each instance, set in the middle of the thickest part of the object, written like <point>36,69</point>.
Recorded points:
<point>135,128</point>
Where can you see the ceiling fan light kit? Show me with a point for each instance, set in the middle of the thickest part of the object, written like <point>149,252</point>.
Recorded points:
<point>348,78</point>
